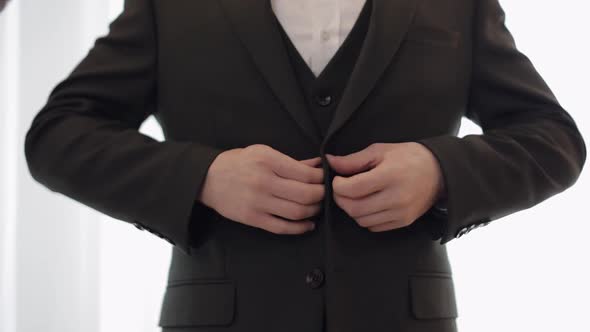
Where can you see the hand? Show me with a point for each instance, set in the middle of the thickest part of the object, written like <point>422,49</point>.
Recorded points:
<point>390,184</point>
<point>257,185</point>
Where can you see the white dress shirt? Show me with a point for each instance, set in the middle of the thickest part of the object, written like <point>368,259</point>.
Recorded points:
<point>317,28</point>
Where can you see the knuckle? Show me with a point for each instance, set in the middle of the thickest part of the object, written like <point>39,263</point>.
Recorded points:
<point>253,149</point>
<point>260,152</point>
<point>259,148</point>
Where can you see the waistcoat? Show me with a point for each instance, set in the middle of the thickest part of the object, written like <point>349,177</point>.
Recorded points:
<point>323,93</point>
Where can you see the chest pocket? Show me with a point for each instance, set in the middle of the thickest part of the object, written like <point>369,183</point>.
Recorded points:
<point>431,35</point>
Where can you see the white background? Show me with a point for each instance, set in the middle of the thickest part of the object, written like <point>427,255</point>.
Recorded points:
<point>64,267</point>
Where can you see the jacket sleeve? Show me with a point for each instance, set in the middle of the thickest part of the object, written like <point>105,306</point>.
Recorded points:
<point>530,148</point>
<point>85,143</point>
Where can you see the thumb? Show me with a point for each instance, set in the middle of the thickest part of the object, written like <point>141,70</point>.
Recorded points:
<point>353,163</point>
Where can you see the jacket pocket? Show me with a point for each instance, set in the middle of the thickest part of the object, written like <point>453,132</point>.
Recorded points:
<point>198,303</point>
<point>431,35</point>
<point>432,296</point>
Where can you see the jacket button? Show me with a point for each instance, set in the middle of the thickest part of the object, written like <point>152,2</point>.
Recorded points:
<point>315,278</point>
<point>324,100</point>
<point>462,232</point>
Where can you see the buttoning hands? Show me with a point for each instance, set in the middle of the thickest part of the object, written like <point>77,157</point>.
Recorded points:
<point>387,185</point>
<point>261,187</point>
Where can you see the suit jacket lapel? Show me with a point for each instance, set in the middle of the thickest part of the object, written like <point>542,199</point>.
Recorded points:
<point>255,25</point>
<point>389,23</point>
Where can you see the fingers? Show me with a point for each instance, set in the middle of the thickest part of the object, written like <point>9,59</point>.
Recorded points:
<point>378,218</point>
<point>277,225</point>
<point>289,209</point>
<point>303,193</point>
<point>287,167</point>
<point>313,162</point>
<point>366,205</point>
<point>355,162</point>
<point>380,211</point>
<point>389,226</point>
<point>295,188</point>
<point>361,184</point>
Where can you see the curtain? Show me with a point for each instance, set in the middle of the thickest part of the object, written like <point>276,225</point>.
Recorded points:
<point>63,266</point>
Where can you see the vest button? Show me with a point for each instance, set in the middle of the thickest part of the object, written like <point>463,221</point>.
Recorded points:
<point>315,278</point>
<point>324,100</point>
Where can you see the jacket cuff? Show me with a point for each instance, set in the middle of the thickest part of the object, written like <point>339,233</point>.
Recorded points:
<point>185,215</point>
<point>452,213</point>
<point>438,216</point>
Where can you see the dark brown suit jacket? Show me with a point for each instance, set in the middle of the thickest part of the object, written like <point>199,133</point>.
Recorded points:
<point>215,76</point>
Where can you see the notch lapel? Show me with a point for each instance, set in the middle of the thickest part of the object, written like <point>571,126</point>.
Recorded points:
<point>255,25</point>
<point>389,23</point>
